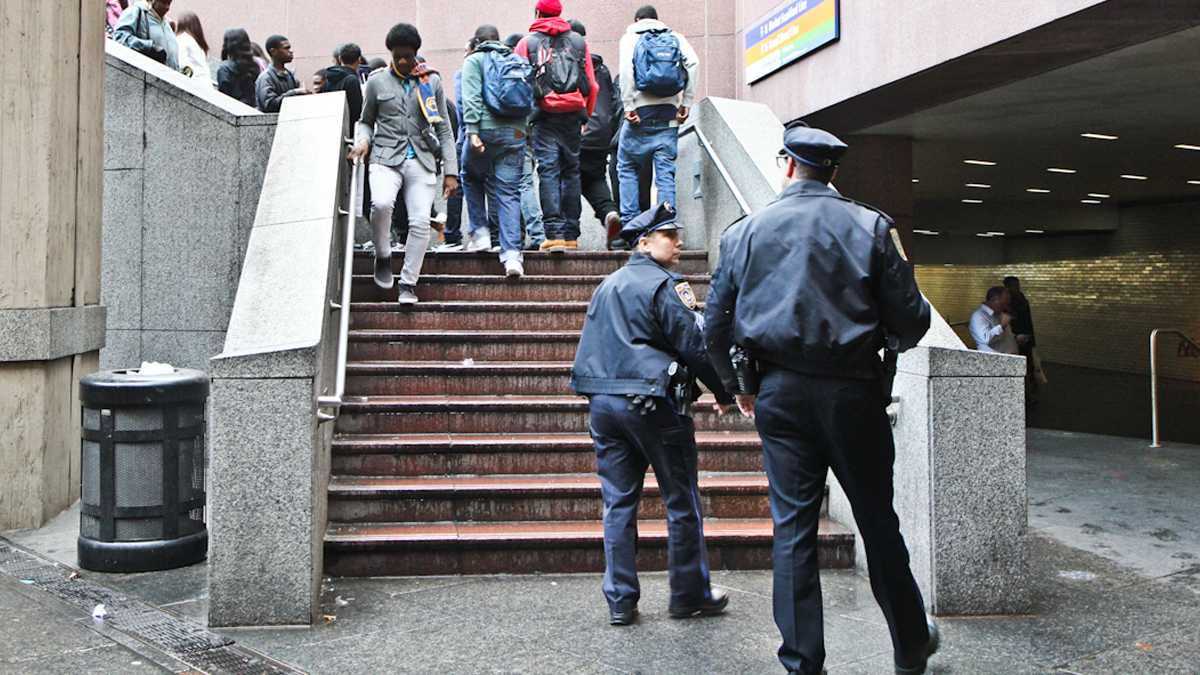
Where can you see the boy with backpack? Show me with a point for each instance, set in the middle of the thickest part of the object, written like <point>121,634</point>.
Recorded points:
<point>497,99</point>
<point>564,85</point>
<point>658,76</point>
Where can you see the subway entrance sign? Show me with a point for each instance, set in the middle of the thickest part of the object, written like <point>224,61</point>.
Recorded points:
<point>794,29</point>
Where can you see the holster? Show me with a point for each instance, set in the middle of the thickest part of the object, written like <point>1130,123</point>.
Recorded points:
<point>745,369</point>
<point>681,389</point>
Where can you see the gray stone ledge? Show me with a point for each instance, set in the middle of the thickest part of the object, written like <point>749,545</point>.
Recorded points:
<point>941,362</point>
<point>176,84</point>
<point>273,362</point>
<point>49,333</point>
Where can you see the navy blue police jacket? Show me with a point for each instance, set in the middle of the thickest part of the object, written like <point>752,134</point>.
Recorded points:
<point>641,318</point>
<point>812,283</point>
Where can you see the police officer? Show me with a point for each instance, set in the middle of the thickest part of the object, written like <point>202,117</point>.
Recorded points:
<point>810,288</point>
<point>641,349</point>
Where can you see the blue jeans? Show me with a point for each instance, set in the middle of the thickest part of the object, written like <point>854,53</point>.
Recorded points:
<point>492,185</point>
<point>626,443</point>
<point>531,208</point>
<point>638,147</point>
<point>556,141</point>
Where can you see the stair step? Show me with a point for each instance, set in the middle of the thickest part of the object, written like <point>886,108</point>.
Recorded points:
<point>498,288</point>
<point>456,378</point>
<point>377,549</point>
<point>537,497</point>
<point>448,345</point>
<point>461,315</point>
<point>460,453</point>
<point>536,262</point>
<point>493,414</point>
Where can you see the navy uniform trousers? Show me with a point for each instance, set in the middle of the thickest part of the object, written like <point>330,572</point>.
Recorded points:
<point>810,425</point>
<point>626,444</point>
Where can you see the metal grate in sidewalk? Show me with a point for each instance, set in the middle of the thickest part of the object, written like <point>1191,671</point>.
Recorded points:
<point>183,640</point>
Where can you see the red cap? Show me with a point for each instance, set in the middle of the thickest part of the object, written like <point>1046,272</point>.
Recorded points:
<point>549,7</point>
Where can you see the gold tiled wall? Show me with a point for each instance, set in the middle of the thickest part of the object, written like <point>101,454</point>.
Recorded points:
<point>1095,298</point>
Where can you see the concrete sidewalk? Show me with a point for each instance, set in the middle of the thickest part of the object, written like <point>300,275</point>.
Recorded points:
<point>1104,603</point>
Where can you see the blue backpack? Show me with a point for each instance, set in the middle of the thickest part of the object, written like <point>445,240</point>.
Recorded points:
<point>658,64</point>
<point>507,86</point>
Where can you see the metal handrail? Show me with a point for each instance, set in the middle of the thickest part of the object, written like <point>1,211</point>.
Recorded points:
<point>1155,440</point>
<point>716,160</point>
<point>335,401</point>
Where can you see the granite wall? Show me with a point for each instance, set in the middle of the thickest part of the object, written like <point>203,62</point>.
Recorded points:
<point>183,166</point>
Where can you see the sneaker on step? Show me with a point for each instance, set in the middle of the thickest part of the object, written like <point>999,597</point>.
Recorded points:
<point>513,269</point>
<point>383,272</point>
<point>448,248</point>
<point>479,240</point>
<point>408,295</point>
<point>397,248</point>
<point>494,249</point>
<point>612,223</point>
<point>553,245</point>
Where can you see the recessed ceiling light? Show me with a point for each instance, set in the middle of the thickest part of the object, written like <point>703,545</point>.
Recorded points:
<point>1185,146</point>
<point>1039,191</point>
<point>1133,176</point>
<point>1194,182</point>
<point>1100,137</point>
<point>1089,201</point>
<point>1060,170</point>
<point>981,186</point>
<point>1099,195</point>
<point>1035,232</point>
<point>972,201</point>
<point>979,162</point>
<point>983,234</point>
<point>996,234</point>
<point>916,180</point>
<point>928,233</point>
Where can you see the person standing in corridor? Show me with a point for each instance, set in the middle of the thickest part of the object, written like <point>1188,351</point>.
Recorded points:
<point>277,82</point>
<point>405,130</point>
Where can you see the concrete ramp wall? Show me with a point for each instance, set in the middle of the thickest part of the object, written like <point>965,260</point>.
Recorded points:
<point>183,167</point>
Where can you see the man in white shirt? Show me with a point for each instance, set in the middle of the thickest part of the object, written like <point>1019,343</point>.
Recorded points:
<point>990,324</point>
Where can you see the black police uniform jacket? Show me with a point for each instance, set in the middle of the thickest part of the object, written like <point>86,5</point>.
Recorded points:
<point>813,283</point>
<point>641,318</point>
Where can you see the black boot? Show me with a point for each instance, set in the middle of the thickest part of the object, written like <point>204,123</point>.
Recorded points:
<point>383,271</point>
<point>931,648</point>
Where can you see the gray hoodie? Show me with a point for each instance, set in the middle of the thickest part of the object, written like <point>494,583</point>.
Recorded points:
<point>631,98</point>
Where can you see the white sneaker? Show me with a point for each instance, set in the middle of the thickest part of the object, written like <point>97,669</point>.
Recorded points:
<point>407,296</point>
<point>513,269</point>
<point>448,248</point>
<point>479,240</point>
<point>494,249</point>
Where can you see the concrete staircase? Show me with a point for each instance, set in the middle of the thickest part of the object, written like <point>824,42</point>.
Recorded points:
<point>463,451</point>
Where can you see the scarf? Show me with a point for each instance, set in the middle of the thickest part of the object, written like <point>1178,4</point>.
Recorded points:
<point>427,98</point>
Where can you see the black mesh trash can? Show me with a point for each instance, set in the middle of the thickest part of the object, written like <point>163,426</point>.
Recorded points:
<point>142,471</point>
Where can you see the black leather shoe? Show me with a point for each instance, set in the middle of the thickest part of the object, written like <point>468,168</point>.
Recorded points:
<point>931,648</point>
<point>715,605</point>
<point>622,616</point>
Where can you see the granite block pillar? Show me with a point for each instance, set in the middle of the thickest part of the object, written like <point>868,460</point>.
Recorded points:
<point>960,479</point>
<point>51,323</point>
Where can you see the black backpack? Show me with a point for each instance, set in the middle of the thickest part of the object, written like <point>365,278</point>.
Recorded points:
<point>558,66</point>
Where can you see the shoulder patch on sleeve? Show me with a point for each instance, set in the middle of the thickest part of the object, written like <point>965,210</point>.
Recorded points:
<point>896,240</point>
<point>686,295</point>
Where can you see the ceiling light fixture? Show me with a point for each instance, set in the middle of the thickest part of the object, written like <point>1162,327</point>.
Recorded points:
<point>916,180</point>
<point>1038,191</point>
<point>1089,201</point>
<point>1186,146</point>
<point>981,186</point>
<point>1194,182</point>
<point>928,233</point>
<point>1099,195</point>
<point>972,201</point>
<point>1055,169</point>
<point>979,162</point>
<point>1100,137</point>
<point>983,234</point>
<point>1035,232</point>
<point>1133,176</point>
<point>996,234</point>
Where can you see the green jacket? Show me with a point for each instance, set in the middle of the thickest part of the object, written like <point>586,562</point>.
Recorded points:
<point>476,115</point>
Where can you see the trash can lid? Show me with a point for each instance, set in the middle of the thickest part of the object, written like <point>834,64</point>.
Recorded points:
<point>120,388</point>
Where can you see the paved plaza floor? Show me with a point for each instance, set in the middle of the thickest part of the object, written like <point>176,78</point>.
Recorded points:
<point>1115,562</point>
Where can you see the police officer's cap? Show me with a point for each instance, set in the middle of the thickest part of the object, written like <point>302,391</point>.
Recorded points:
<point>661,217</point>
<point>814,147</point>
